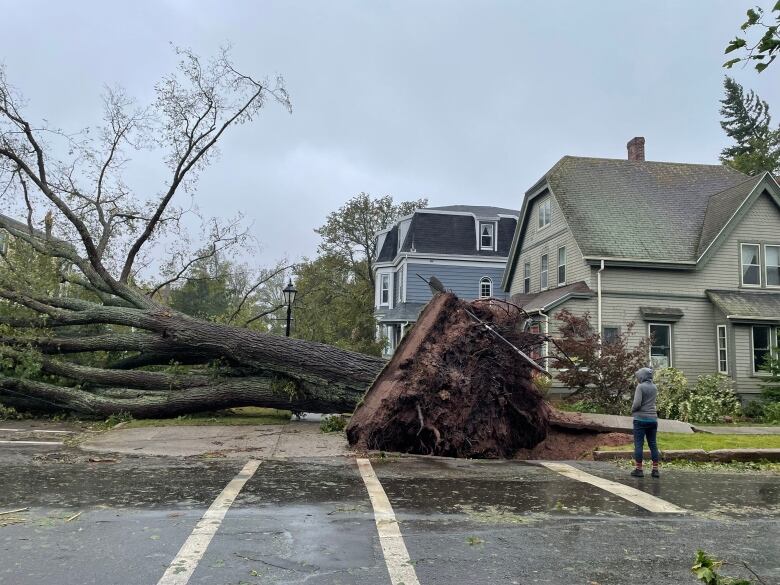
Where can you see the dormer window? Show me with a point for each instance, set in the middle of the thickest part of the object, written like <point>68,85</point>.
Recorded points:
<point>545,213</point>
<point>487,237</point>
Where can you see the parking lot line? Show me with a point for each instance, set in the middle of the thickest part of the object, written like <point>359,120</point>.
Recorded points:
<point>399,565</point>
<point>52,443</point>
<point>35,431</point>
<point>183,566</point>
<point>633,495</point>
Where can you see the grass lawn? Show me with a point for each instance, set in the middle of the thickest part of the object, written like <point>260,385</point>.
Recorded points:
<point>673,441</point>
<point>235,416</point>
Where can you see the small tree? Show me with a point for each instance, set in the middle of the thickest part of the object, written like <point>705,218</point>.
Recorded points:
<point>604,372</point>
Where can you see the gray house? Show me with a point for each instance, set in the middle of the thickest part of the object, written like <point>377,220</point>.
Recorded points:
<point>689,253</point>
<point>464,246</point>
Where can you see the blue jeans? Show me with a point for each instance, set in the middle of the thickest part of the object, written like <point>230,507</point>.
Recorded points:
<point>644,429</point>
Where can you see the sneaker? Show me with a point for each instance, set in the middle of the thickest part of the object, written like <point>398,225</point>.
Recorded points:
<point>637,473</point>
<point>655,473</point>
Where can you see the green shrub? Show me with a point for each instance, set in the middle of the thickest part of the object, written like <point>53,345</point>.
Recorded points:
<point>10,413</point>
<point>335,423</point>
<point>672,391</point>
<point>754,410</point>
<point>710,400</point>
<point>771,413</point>
<point>770,388</point>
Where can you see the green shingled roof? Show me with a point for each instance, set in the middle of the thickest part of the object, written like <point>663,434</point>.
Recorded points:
<point>741,304</point>
<point>645,210</point>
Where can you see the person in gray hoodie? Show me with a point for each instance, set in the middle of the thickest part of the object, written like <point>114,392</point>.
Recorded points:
<point>645,421</point>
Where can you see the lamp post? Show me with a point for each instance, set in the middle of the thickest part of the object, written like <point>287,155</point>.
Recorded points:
<point>289,298</point>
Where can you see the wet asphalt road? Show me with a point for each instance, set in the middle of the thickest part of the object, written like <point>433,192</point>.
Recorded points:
<point>311,521</point>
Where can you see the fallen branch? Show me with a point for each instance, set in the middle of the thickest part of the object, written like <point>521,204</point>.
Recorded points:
<point>14,511</point>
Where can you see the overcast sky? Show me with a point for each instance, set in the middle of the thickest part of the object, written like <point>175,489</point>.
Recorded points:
<point>460,102</point>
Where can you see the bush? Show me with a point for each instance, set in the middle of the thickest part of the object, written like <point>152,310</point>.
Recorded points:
<point>10,413</point>
<point>333,424</point>
<point>710,400</point>
<point>771,413</point>
<point>585,406</point>
<point>672,391</point>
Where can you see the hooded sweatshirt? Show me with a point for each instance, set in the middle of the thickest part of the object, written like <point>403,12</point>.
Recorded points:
<point>643,407</point>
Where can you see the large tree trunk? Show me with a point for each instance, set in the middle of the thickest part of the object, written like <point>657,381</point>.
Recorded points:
<point>241,367</point>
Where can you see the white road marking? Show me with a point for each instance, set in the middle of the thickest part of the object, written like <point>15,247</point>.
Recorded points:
<point>399,565</point>
<point>633,495</point>
<point>53,443</point>
<point>35,431</point>
<point>183,566</point>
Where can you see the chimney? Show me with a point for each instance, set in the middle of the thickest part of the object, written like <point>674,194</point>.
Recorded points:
<point>636,148</point>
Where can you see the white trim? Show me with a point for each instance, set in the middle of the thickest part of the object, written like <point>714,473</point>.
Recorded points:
<point>558,267</point>
<point>382,277</point>
<point>772,330</point>
<point>479,287</point>
<point>766,266</point>
<point>750,318</point>
<point>528,264</point>
<point>741,266</point>
<point>637,260</point>
<point>539,206</point>
<point>546,272</point>
<point>493,235</point>
<point>671,342</point>
<point>725,347</point>
<point>448,259</point>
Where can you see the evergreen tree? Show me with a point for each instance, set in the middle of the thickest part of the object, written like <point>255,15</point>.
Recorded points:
<point>746,120</point>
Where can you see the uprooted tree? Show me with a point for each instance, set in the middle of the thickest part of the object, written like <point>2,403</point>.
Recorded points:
<point>78,211</point>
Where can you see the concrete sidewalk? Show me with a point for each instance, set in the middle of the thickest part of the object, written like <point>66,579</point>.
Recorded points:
<point>737,430</point>
<point>298,439</point>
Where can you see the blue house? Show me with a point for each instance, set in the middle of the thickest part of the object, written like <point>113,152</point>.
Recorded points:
<point>464,246</point>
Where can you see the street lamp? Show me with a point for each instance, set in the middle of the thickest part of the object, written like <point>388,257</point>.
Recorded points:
<point>289,298</point>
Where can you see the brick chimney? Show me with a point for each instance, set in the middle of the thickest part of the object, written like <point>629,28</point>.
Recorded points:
<point>636,148</point>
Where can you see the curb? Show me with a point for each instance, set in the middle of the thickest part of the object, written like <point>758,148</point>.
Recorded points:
<point>717,455</point>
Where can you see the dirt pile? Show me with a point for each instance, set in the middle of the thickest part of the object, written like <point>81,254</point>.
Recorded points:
<point>567,445</point>
<point>453,389</point>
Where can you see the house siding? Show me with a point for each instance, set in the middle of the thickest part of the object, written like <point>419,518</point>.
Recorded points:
<point>462,280</point>
<point>536,242</point>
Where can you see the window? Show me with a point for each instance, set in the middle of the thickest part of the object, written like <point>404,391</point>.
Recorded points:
<point>486,236</point>
<point>398,286</point>
<point>485,288</point>
<point>543,273</point>
<point>660,345</point>
<point>751,265</point>
<point>561,266</point>
<point>527,277</point>
<point>772,260</point>
<point>723,354</point>
<point>762,346</point>
<point>610,335</point>
<point>545,213</point>
<point>384,289</point>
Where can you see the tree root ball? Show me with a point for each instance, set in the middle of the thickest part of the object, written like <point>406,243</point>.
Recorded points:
<point>454,389</point>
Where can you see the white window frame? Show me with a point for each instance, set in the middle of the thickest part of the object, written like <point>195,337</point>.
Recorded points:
<point>724,348</point>
<point>671,342</point>
<point>384,287</point>
<point>742,266</point>
<point>492,226</point>
<point>766,265</point>
<point>544,272</point>
<point>482,281</point>
<point>545,213</point>
<point>527,278</point>
<point>771,339</point>
<point>558,271</point>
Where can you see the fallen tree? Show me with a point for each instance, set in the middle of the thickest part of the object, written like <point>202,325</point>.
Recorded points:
<point>148,360</point>
<point>455,388</point>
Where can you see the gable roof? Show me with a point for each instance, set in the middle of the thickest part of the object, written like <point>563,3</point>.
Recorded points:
<point>551,298</point>
<point>641,211</point>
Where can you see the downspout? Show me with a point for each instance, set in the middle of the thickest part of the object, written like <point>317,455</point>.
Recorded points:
<point>598,296</point>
